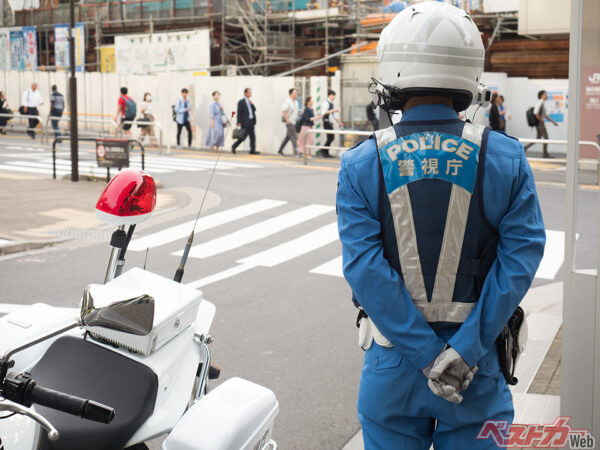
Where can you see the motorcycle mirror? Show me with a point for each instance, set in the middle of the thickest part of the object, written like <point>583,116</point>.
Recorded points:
<point>132,316</point>
<point>128,199</point>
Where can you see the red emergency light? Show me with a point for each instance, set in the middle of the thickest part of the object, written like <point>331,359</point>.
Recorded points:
<point>128,199</point>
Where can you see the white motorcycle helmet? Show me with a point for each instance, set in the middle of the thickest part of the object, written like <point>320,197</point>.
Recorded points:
<point>430,48</point>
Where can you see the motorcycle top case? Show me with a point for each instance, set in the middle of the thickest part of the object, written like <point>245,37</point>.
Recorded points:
<point>175,308</point>
<point>237,414</point>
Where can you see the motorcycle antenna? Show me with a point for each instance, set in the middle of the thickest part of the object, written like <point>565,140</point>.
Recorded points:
<point>190,240</point>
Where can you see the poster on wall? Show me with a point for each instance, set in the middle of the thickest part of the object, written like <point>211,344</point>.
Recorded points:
<point>4,49</point>
<point>30,47</point>
<point>556,105</point>
<point>17,50</point>
<point>162,52</point>
<point>107,58</point>
<point>61,46</point>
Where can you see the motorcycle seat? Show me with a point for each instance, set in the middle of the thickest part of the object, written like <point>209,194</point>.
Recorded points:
<point>82,368</point>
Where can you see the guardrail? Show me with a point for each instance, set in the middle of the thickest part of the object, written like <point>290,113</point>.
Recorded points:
<point>25,117</point>
<point>369,133</point>
<point>335,132</point>
<point>149,124</point>
<point>67,118</point>
<point>91,139</point>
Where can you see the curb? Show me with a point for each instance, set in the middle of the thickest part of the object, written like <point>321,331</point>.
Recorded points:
<point>22,246</point>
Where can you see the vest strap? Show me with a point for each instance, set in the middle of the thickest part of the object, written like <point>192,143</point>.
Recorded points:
<point>441,308</point>
<point>447,311</point>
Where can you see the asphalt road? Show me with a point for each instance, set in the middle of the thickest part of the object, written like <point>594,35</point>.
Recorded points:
<point>284,318</point>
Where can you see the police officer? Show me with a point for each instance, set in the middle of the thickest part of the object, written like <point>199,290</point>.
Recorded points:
<point>442,234</point>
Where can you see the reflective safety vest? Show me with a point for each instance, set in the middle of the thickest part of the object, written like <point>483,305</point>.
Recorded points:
<point>435,232</point>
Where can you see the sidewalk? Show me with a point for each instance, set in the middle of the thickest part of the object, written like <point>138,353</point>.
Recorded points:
<point>39,212</point>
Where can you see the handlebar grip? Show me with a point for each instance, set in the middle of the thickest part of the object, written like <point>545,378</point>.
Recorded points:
<point>70,404</point>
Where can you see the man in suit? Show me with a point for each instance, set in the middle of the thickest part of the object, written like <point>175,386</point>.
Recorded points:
<point>246,114</point>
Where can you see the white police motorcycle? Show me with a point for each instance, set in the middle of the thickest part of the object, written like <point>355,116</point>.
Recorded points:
<point>131,365</point>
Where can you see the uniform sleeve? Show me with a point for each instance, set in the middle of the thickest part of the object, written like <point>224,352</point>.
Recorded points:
<point>377,286</point>
<point>520,250</point>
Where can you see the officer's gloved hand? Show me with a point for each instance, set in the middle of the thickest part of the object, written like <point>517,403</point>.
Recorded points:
<point>449,374</point>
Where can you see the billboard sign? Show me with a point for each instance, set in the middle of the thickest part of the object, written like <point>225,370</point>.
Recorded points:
<point>61,46</point>
<point>17,50</point>
<point>162,52</point>
<point>30,47</point>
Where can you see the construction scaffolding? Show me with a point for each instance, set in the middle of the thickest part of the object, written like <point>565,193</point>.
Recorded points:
<point>271,37</point>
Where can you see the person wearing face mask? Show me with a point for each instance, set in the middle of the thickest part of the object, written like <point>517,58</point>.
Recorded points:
<point>147,116</point>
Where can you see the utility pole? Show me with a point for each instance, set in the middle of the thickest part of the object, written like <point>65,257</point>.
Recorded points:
<point>73,96</point>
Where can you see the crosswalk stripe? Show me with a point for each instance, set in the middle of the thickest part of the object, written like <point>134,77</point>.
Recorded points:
<point>257,231</point>
<point>332,268</point>
<point>294,248</point>
<point>150,166</point>
<point>204,223</point>
<point>276,255</point>
<point>88,168</point>
<point>31,170</point>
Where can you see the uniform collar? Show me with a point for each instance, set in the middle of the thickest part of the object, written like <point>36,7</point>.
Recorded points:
<point>429,112</point>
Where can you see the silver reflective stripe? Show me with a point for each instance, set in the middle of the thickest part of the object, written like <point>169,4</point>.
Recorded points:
<point>406,238</point>
<point>446,312</point>
<point>456,222</point>
<point>462,61</point>
<point>473,132</point>
<point>417,47</point>
<point>454,233</point>
<point>385,136</point>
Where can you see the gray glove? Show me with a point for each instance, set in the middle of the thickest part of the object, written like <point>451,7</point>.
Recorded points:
<point>449,374</point>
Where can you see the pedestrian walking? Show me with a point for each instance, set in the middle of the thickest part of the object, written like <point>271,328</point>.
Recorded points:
<point>215,136</point>
<point>126,111</point>
<point>183,108</point>
<point>57,106</point>
<point>540,114</point>
<point>306,139</point>
<point>246,120</point>
<point>329,117</point>
<point>289,116</point>
<point>496,113</point>
<point>32,99</point>
<point>442,234</point>
<point>147,116</point>
<point>4,109</point>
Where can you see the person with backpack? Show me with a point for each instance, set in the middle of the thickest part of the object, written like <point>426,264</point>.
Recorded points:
<point>183,108</point>
<point>57,106</point>
<point>126,111</point>
<point>536,117</point>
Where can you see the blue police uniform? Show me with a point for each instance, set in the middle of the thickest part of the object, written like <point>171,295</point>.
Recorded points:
<point>442,234</point>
